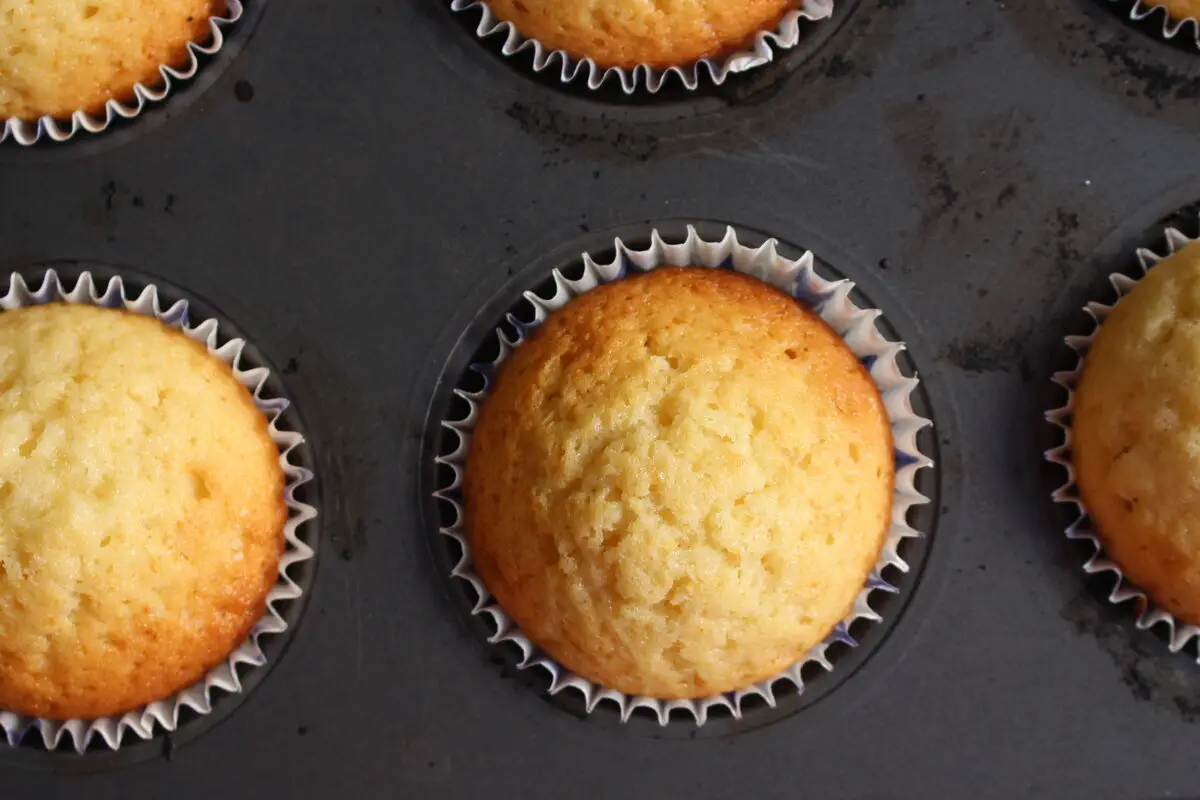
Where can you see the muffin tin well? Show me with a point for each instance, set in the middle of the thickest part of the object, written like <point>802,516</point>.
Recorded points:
<point>1178,230</point>
<point>153,104</point>
<point>510,314</point>
<point>125,740</point>
<point>481,60</point>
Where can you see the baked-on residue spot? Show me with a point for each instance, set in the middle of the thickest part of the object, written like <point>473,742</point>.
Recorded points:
<point>1136,434</point>
<point>141,511</point>
<point>625,33</point>
<point>680,483</point>
<point>59,56</point>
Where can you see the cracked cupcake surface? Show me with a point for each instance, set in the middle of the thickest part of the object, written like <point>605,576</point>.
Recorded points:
<point>1135,437</point>
<point>626,33</point>
<point>141,511</point>
<point>62,56</point>
<point>680,483</point>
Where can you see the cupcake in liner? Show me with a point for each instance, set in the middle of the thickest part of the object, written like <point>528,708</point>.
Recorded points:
<point>165,713</point>
<point>831,300</point>
<point>760,51</point>
<point>31,131</point>
<point>1149,613</point>
<point>1143,11</point>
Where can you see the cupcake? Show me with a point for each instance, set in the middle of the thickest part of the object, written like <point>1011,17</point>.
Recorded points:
<point>626,33</point>
<point>1135,434</point>
<point>67,64</point>
<point>142,512</point>
<point>636,40</point>
<point>679,483</point>
<point>1178,9</point>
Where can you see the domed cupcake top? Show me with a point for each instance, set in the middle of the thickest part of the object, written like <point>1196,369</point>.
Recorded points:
<point>679,484</point>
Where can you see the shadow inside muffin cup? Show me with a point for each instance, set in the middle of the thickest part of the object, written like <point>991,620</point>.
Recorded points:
<point>848,648</point>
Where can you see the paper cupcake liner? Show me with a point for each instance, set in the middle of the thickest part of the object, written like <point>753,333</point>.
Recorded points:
<point>165,713</point>
<point>28,132</point>
<point>1149,614</point>
<point>1144,10</point>
<point>785,35</point>
<point>831,300</point>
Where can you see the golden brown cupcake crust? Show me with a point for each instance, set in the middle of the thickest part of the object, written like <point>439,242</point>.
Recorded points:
<point>60,56</point>
<point>680,483</point>
<point>1136,434</point>
<point>625,33</point>
<point>1180,9</point>
<point>141,511</point>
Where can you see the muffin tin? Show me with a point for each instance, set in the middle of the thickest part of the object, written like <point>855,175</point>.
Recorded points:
<point>364,189</point>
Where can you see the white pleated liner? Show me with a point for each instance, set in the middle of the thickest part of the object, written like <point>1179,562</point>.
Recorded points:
<point>785,35</point>
<point>1171,27</point>
<point>855,325</point>
<point>27,132</point>
<point>165,713</point>
<point>1123,590</point>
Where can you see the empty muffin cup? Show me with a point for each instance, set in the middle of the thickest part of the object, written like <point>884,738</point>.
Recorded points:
<point>594,50</point>
<point>290,513</point>
<point>798,280</point>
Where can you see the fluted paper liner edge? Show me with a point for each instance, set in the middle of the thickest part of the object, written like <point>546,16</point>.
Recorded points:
<point>831,300</point>
<point>760,51</point>
<point>164,714</point>
<point>1149,614</point>
<point>31,131</point>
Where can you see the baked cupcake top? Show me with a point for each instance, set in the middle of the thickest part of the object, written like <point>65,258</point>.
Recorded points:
<point>625,33</point>
<point>679,484</point>
<point>1179,9</point>
<point>141,511</point>
<point>1136,433</point>
<point>60,56</point>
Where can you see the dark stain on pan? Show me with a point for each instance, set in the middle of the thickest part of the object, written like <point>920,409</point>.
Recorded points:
<point>956,187</point>
<point>243,90</point>
<point>322,392</point>
<point>1159,83</point>
<point>1130,60</point>
<point>945,56</point>
<point>1054,257</point>
<point>988,351</point>
<point>115,197</point>
<point>1144,665</point>
<point>562,131</point>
